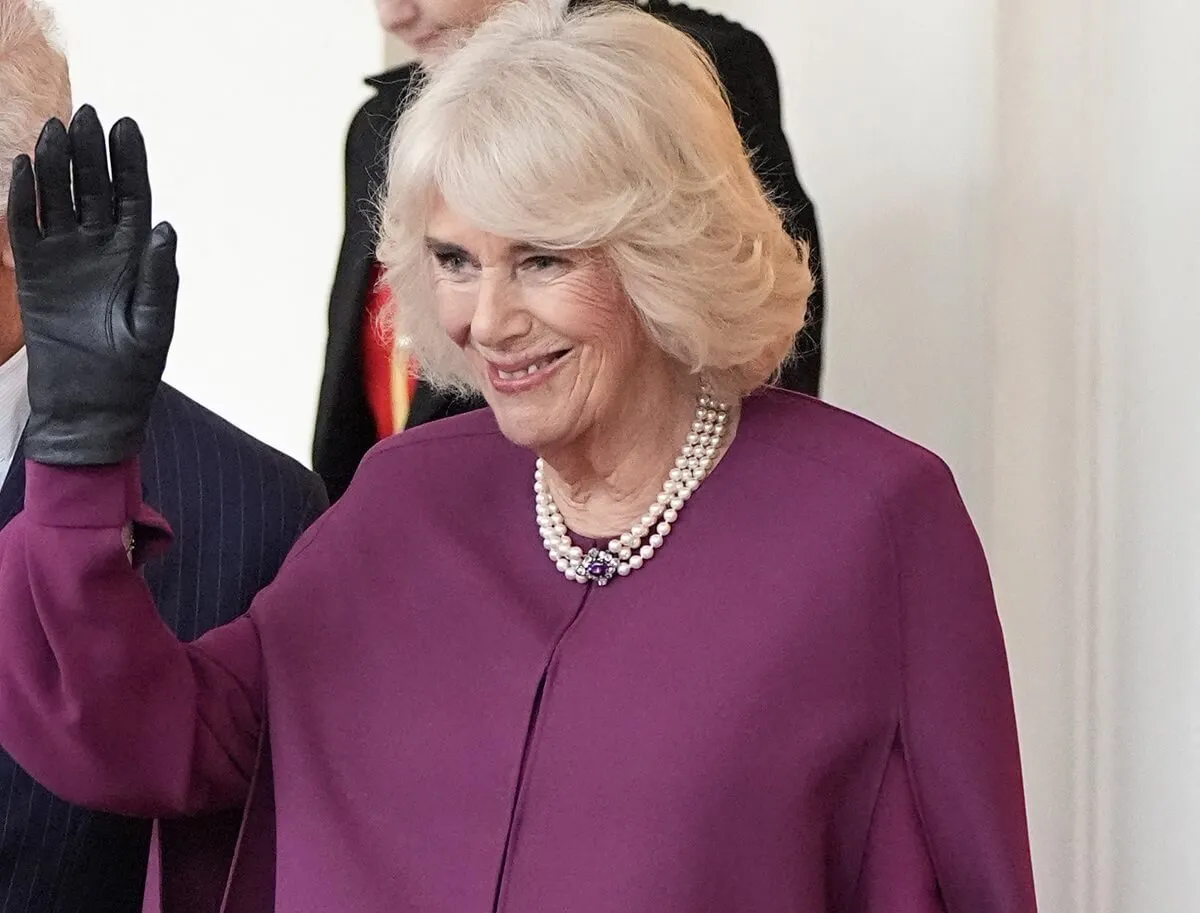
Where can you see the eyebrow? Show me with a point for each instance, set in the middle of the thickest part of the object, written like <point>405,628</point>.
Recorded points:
<point>437,246</point>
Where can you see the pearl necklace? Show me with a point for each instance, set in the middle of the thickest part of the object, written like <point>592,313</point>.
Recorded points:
<point>633,549</point>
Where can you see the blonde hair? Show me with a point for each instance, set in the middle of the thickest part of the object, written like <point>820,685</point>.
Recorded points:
<point>598,128</point>
<point>35,84</point>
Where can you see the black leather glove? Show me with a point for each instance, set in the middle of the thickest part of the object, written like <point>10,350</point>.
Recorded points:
<point>97,290</point>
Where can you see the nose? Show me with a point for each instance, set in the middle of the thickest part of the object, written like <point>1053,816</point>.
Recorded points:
<point>498,319</point>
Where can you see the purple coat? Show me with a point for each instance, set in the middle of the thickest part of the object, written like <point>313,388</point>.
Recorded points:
<point>801,704</point>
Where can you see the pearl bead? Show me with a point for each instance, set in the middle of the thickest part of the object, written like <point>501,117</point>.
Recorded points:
<point>691,466</point>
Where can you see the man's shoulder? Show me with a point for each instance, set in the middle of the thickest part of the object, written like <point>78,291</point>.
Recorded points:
<point>719,35</point>
<point>181,432</point>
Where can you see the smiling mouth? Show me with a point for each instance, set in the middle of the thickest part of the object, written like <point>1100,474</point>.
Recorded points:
<point>540,365</point>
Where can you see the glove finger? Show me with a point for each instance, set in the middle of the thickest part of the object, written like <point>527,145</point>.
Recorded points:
<point>131,179</point>
<point>52,165</point>
<point>152,309</point>
<point>89,158</point>
<point>23,231</point>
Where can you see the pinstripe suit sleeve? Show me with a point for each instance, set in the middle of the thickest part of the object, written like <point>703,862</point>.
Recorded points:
<point>103,704</point>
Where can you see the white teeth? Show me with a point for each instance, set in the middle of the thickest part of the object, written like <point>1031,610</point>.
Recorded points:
<point>523,372</point>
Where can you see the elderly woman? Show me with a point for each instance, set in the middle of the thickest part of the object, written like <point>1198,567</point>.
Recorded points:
<point>643,637</point>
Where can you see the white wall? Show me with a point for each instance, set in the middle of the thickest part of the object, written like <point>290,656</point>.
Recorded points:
<point>1010,205</point>
<point>244,104</point>
<point>1150,226</point>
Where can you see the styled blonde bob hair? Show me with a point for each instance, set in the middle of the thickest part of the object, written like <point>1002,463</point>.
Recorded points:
<point>597,128</point>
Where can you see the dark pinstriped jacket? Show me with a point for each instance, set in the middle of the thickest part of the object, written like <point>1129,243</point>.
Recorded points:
<point>236,507</point>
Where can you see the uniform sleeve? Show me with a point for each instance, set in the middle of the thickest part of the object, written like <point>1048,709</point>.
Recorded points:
<point>958,730</point>
<point>99,701</point>
<point>752,83</point>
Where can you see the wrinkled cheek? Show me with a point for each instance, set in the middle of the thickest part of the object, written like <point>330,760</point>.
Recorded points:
<point>454,313</point>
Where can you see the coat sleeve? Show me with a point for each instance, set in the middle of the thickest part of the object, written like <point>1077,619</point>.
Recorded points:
<point>98,699</point>
<point>897,874</point>
<point>957,728</point>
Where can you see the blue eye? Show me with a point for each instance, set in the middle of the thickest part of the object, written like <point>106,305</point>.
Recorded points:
<point>449,261</point>
<point>542,262</point>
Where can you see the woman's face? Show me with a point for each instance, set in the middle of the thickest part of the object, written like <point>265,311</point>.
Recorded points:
<point>424,25</point>
<point>550,336</point>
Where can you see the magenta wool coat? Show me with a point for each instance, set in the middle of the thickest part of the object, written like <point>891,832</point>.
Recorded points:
<point>800,704</point>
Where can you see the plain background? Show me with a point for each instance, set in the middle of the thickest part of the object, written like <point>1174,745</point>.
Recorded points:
<point>1009,202</point>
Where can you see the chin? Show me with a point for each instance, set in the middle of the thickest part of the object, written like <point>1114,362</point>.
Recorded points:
<point>522,431</point>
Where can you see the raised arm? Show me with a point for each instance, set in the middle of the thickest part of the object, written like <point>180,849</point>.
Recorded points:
<point>98,700</point>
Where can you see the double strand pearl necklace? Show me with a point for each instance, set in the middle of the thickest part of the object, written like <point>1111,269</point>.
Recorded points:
<point>633,549</point>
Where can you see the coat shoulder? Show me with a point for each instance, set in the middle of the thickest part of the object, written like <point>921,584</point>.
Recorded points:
<point>722,37</point>
<point>829,446</point>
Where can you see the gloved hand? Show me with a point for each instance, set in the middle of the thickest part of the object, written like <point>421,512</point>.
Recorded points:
<point>97,290</point>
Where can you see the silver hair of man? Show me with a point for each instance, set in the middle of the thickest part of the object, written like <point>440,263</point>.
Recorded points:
<point>598,128</point>
<point>35,84</point>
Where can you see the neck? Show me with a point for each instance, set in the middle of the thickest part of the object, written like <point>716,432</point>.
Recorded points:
<point>604,483</point>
